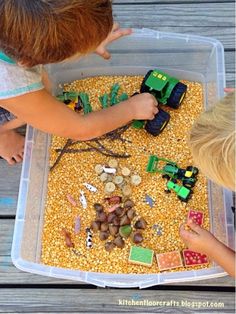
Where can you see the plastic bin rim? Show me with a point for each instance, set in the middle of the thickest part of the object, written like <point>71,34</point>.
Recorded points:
<point>148,32</point>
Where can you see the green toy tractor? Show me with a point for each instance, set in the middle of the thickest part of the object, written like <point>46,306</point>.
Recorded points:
<point>166,89</point>
<point>182,192</point>
<point>171,171</point>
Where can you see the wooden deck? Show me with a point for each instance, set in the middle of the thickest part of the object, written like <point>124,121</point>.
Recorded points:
<point>27,293</point>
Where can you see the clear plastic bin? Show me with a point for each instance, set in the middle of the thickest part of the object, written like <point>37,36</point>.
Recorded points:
<point>184,56</point>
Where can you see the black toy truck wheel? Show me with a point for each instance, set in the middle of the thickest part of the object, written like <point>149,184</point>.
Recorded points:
<point>177,95</point>
<point>188,183</point>
<point>157,125</point>
<point>194,170</point>
<point>166,176</point>
<point>144,88</point>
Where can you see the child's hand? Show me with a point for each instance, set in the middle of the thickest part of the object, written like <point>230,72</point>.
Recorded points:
<point>116,33</point>
<point>144,106</point>
<point>197,239</point>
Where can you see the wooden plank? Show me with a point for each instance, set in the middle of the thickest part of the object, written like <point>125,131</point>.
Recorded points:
<point>9,186</point>
<point>11,275</point>
<point>194,18</point>
<point>146,2</point>
<point>114,301</point>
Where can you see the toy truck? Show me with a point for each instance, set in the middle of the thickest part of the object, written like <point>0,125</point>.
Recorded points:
<point>172,171</point>
<point>166,89</point>
<point>182,192</point>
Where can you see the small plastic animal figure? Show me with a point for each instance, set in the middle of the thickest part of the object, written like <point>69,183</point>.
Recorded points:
<point>90,187</point>
<point>83,200</point>
<point>89,239</point>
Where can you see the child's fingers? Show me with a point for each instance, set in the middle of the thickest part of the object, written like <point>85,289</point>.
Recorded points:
<point>196,228</point>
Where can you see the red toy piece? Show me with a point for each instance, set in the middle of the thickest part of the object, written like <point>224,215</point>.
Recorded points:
<point>196,216</point>
<point>194,258</point>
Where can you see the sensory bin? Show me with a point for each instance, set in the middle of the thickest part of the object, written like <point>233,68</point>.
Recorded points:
<point>76,186</point>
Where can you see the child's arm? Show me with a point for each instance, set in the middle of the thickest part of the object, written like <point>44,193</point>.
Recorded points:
<point>202,241</point>
<point>43,111</point>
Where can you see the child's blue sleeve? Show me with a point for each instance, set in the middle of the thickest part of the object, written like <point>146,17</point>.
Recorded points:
<point>16,80</point>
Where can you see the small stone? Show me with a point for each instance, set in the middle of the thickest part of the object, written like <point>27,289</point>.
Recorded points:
<point>104,235</point>
<point>113,230</point>
<point>98,207</point>
<point>140,224</point>
<point>104,226</point>
<point>98,169</point>
<point>131,213</point>
<point>137,237</point>
<point>124,220</point>
<point>119,242</point>
<point>109,246</point>
<point>101,216</point>
<point>116,221</point>
<point>103,177</point>
<point>125,231</point>
<point>135,179</point>
<point>125,171</point>
<point>110,187</point>
<point>119,211</point>
<point>118,180</point>
<point>128,203</point>
<point>111,217</point>
<point>127,190</point>
<point>96,225</point>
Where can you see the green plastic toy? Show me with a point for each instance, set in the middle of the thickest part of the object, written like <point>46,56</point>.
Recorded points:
<point>172,171</point>
<point>182,192</point>
<point>86,104</point>
<point>166,89</point>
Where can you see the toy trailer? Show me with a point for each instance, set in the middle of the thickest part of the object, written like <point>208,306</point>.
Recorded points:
<point>166,89</point>
<point>182,192</point>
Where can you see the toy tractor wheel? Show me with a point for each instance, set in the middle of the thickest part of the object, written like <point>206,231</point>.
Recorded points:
<point>188,183</point>
<point>177,95</point>
<point>165,176</point>
<point>182,199</point>
<point>194,170</point>
<point>144,88</point>
<point>157,125</point>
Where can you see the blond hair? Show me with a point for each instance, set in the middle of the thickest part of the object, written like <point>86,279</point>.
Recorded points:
<point>45,31</point>
<point>212,142</point>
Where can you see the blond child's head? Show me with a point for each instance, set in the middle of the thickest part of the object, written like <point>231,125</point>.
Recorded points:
<point>46,31</point>
<point>212,141</point>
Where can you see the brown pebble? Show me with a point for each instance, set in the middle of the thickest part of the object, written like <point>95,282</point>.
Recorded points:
<point>119,242</point>
<point>119,211</point>
<point>104,226</point>
<point>98,207</point>
<point>101,216</point>
<point>103,235</point>
<point>109,246</point>
<point>140,224</point>
<point>111,217</point>
<point>124,220</point>
<point>128,203</point>
<point>96,225</point>
<point>131,213</point>
<point>116,221</point>
<point>137,237</point>
<point>113,229</point>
